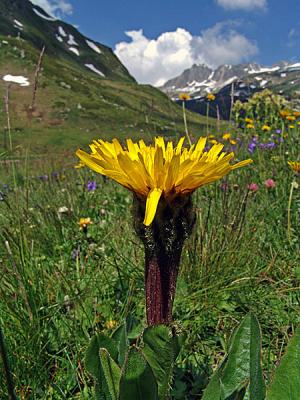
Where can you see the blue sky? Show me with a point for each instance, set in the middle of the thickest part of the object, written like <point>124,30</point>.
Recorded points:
<point>167,36</point>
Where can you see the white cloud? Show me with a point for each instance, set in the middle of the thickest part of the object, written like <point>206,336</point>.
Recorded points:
<point>243,4</point>
<point>52,7</point>
<point>155,61</point>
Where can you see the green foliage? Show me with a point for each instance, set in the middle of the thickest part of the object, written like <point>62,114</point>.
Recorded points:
<point>137,380</point>
<point>242,366</point>
<point>286,380</point>
<point>161,348</point>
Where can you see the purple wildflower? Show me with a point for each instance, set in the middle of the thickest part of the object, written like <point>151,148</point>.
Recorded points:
<point>75,254</point>
<point>91,186</point>
<point>251,147</point>
<point>44,178</point>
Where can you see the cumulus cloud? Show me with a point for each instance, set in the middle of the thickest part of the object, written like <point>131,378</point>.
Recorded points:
<point>155,61</point>
<point>54,7</point>
<point>243,4</point>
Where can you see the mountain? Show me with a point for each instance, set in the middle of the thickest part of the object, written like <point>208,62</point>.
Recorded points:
<point>232,82</point>
<point>83,89</point>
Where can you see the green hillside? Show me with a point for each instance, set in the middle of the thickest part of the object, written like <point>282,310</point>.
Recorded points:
<point>73,103</point>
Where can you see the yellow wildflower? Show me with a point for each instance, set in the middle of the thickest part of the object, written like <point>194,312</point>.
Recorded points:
<point>294,165</point>
<point>249,120</point>
<point>159,170</point>
<point>266,128</point>
<point>296,114</point>
<point>284,113</point>
<point>226,136</point>
<point>210,97</point>
<point>250,126</point>
<point>213,141</point>
<point>211,136</point>
<point>291,126</point>
<point>233,142</point>
<point>84,223</point>
<point>290,117</point>
<point>184,96</point>
<point>111,324</point>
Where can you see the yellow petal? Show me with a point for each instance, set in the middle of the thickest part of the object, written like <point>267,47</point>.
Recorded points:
<point>151,205</point>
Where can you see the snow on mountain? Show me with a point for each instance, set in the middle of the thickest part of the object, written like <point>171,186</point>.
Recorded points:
<point>20,80</point>
<point>93,46</point>
<point>47,18</point>
<point>200,79</point>
<point>94,69</point>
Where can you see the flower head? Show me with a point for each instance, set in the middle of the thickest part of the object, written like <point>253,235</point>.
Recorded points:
<point>253,187</point>
<point>91,186</point>
<point>266,128</point>
<point>249,120</point>
<point>210,97</point>
<point>290,118</point>
<point>84,223</point>
<point>159,170</point>
<point>226,136</point>
<point>250,126</point>
<point>284,113</point>
<point>184,96</point>
<point>294,165</point>
<point>270,184</point>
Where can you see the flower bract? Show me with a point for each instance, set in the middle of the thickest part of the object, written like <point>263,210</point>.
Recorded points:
<point>159,170</point>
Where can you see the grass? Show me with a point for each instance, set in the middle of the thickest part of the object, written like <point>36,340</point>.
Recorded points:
<point>59,285</point>
<point>73,105</point>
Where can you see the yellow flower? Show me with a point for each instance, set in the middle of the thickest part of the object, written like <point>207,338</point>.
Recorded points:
<point>210,97</point>
<point>249,120</point>
<point>250,126</point>
<point>291,126</point>
<point>294,165</point>
<point>184,96</point>
<point>159,170</point>
<point>226,136</point>
<point>84,222</point>
<point>211,136</point>
<point>296,114</point>
<point>298,123</point>
<point>111,324</point>
<point>290,117</point>
<point>213,141</point>
<point>284,113</point>
<point>233,142</point>
<point>266,128</point>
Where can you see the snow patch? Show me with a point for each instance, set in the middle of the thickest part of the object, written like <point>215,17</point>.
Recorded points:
<point>43,16</point>
<point>262,70</point>
<point>93,46</point>
<point>61,31</point>
<point>59,38</point>
<point>283,75</point>
<point>72,41</point>
<point>18,23</point>
<point>74,50</point>
<point>21,80</point>
<point>94,69</point>
<point>263,83</point>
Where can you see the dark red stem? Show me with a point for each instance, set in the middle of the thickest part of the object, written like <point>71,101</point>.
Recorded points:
<point>161,274</point>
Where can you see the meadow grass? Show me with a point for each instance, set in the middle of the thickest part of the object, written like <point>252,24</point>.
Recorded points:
<point>59,284</point>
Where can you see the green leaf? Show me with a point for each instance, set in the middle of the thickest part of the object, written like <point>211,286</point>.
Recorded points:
<point>243,364</point>
<point>286,380</point>
<point>137,381</point>
<point>120,336</point>
<point>93,362</point>
<point>241,367</point>
<point>160,349</point>
<point>213,389</point>
<point>111,372</point>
